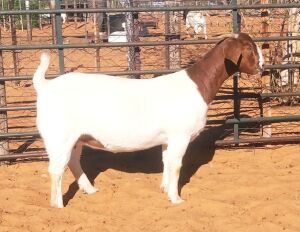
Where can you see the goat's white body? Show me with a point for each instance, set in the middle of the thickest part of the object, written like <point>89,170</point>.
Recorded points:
<point>123,114</point>
<point>120,115</point>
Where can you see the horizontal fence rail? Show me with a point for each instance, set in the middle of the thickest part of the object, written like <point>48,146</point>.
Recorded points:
<point>258,140</point>
<point>153,9</point>
<point>144,72</point>
<point>273,119</point>
<point>133,44</point>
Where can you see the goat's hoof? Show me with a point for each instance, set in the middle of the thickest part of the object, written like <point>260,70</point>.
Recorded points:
<point>90,190</point>
<point>176,200</point>
<point>163,188</point>
<point>57,205</point>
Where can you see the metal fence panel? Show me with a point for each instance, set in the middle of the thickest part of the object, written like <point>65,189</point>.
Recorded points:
<point>240,101</point>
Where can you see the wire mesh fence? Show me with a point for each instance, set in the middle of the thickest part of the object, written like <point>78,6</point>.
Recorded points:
<point>79,29</point>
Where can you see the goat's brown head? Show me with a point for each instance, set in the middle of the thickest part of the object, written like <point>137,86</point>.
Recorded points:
<point>242,54</point>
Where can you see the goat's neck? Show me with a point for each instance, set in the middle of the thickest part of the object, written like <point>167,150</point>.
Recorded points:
<point>209,73</point>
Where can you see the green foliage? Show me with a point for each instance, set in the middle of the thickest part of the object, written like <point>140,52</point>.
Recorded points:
<point>20,4</point>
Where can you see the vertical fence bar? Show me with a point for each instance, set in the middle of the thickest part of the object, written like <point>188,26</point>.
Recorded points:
<point>174,34</point>
<point>14,39</point>
<point>59,39</point>
<point>52,6</point>
<point>167,47</point>
<point>3,16</point>
<point>75,15</point>
<point>172,30</point>
<point>236,101</point>
<point>96,35</point>
<point>40,16</point>
<point>3,115</point>
<point>266,128</point>
<point>28,22</point>
<point>132,33</point>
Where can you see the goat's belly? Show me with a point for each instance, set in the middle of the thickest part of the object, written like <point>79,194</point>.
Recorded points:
<point>91,142</point>
<point>122,143</point>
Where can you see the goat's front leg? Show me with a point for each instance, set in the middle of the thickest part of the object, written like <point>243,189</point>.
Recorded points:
<point>56,193</point>
<point>75,167</point>
<point>165,176</point>
<point>175,151</point>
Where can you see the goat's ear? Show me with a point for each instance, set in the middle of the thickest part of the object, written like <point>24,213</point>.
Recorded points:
<point>232,51</point>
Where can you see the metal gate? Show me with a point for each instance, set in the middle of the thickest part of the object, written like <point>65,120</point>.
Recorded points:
<point>175,46</point>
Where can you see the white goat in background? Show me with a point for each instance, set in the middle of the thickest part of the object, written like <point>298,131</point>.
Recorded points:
<point>63,17</point>
<point>196,20</point>
<point>292,51</point>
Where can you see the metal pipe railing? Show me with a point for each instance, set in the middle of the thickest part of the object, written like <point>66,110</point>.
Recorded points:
<point>17,108</point>
<point>289,139</point>
<point>19,134</point>
<point>274,119</point>
<point>144,72</point>
<point>219,97</point>
<point>130,44</point>
<point>259,140</point>
<point>153,9</point>
<point>14,156</point>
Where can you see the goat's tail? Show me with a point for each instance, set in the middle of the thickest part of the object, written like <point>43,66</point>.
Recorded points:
<point>39,75</point>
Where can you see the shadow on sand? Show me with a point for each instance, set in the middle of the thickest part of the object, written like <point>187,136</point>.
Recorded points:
<point>199,152</point>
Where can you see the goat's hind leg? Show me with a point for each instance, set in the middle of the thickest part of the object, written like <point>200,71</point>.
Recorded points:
<point>57,165</point>
<point>176,149</point>
<point>75,167</point>
<point>56,192</point>
<point>59,152</point>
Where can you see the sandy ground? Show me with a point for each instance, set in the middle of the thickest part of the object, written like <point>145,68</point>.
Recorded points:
<point>252,189</point>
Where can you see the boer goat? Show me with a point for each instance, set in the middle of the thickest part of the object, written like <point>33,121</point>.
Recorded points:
<point>122,115</point>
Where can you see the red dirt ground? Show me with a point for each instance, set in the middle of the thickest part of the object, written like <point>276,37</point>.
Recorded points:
<point>255,189</point>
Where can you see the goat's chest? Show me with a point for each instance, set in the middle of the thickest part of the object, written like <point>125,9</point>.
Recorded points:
<point>187,113</point>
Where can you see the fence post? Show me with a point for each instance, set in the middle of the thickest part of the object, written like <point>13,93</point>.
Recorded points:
<point>132,34</point>
<point>14,39</point>
<point>75,15</point>
<point>172,31</point>
<point>59,39</point>
<point>52,6</point>
<point>96,36</point>
<point>3,17</point>
<point>40,16</point>
<point>236,22</point>
<point>21,16</point>
<point>266,128</point>
<point>294,46</point>
<point>28,19</point>
<point>3,115</point>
